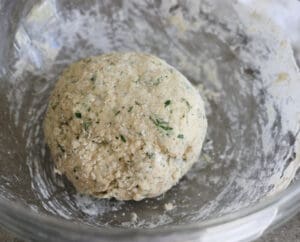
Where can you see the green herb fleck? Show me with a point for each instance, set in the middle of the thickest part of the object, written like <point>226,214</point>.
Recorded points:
<point>157,81</point>
<point>180,136</point>
<point>54,105</point>
<point>130,109</point>
<point>86,125</point>
<point>187,103</point>
<point>167,103</point>
<point>122,138</point>
<point>76,168</point>
<point>62,149</point>
<point>104,142</point>
<point>93,78</point>
<point>138,80</point>
<point>161,123</point>
<point>149,155</point>
<point>89,109</point>
<point>117,113</point>
<point>137,103</point>
<point>78,115</point>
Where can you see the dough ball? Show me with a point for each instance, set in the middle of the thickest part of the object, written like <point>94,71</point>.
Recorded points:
<point>124,125</point>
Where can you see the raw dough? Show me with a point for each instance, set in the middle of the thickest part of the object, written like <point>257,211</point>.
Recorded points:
<point>124,125</point>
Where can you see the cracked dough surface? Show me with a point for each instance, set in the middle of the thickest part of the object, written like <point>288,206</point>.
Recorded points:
<point>124,125</point>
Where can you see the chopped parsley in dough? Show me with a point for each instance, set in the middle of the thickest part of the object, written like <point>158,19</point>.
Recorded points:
<point>124,125</point>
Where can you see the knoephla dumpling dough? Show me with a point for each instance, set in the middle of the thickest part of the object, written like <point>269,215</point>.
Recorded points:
<point>124,125</point>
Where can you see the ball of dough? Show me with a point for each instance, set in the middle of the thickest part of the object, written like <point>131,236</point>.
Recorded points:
<point>124,125</point>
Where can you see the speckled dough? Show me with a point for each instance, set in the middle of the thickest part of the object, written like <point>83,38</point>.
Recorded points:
<point>124,125</point>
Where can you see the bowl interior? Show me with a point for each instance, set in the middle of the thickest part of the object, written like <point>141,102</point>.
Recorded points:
<point>241,64</point>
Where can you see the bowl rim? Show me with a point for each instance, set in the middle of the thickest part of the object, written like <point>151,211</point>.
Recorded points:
<point>284,204</point>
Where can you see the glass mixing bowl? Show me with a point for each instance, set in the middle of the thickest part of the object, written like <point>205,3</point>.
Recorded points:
<point>244,183</point>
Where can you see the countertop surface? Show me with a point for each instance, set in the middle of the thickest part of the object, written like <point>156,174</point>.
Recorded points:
<point>289,232</point>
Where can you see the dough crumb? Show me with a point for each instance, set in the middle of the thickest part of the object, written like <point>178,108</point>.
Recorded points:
<point>169,206</point>
<point>133,217</point>
<point>57,172</point>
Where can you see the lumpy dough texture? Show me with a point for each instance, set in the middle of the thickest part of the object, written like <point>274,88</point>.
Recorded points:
<point>124,125</point>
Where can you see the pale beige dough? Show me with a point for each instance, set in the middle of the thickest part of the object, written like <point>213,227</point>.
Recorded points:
<point>124,125</point>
